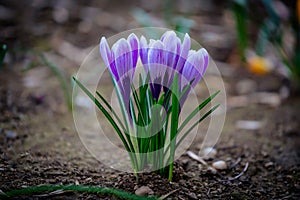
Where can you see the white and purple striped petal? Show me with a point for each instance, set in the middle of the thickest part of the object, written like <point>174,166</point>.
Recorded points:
<point>121,61</point>
<point>161,58</point>
<point>195,66</point>
<point>107,57</point>
<point>122,58</point>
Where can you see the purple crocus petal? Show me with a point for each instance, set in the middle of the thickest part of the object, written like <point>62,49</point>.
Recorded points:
<point>172,50</point>
<point>155,66</point>
<point>184,51</point>
<point>201,62</point>
<point>206,60</point>
<point>143,50</point>
<point>156,59</point>
<point>164,35</point>
<point>156,53</point>
<point>105,51</point>
<point>170,44</point>
<point>113,68</point>
<point>186,45</point>
<point>178,48</point>
<point>122,57</point>
<point>125,84</point>
<point>155,87</point>
<point>134,45</point>
<point>192,69</point>
<point>121,60</point>
<point>107,57</point>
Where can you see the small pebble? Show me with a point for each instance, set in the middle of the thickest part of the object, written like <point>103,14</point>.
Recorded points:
<point>264,154</point>
<point>248,124</point>
<point>220,165</point>
<point>143,191</point>
<point>192,196</point>
<point>88,179</point>
<point>208,153</point>
<point>269,164</point>
<point>212,170</point>
<point>22,155</point>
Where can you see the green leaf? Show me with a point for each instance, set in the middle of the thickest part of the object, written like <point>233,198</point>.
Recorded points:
<point>106,114</point>
<point>61,77</point>
<point>196,110</point>
<point>239,10</point>
<point>137,103</point>
<point>195,124</point>
<point>75,188</point>
<point>174,123</point>
<point>112,110</point>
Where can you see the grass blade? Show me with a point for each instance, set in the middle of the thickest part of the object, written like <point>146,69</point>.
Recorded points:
<point>195,124</point>
<point>174,124</point>
<point>202,105</point>
<point>61,77</point>
<point>137,103</point>
<point>240,12</point>
<point>104,111</point>
<point>75,188</point>
<point>112,110</point>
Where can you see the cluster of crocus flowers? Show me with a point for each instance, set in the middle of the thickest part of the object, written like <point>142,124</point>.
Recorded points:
<point>160,58</point>
<point>172,69</point>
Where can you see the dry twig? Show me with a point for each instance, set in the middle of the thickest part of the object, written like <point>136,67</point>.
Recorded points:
<point>240,174</point>
<point>195,157</point>
<point>236,162</point>
<point>168,194</point>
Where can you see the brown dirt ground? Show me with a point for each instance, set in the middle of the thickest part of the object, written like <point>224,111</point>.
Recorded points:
<point>39,144</point>
<point>48,151</point>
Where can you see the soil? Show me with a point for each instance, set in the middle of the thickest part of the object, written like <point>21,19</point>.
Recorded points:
<point>39,143</point>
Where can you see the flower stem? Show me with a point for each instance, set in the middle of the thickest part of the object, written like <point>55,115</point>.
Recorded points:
<point>174,124</point>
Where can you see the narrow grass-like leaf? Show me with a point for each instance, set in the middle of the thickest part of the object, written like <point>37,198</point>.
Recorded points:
<point>128,144</point>
<point>195,124</point>
<point>202,105</point>
<point>137,103</point>
<point>75,188</point>
<point>174,124</point>
<point>104,111</point>
<point>61,77</point>
<point>186,88</point>
<point>240,12</point>
<point>129,137</point>
<point>112,110</point>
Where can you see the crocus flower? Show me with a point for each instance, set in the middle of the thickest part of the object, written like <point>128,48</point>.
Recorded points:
<point>161,58</point>
<point>121,61</point>
<point>149,135</point>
